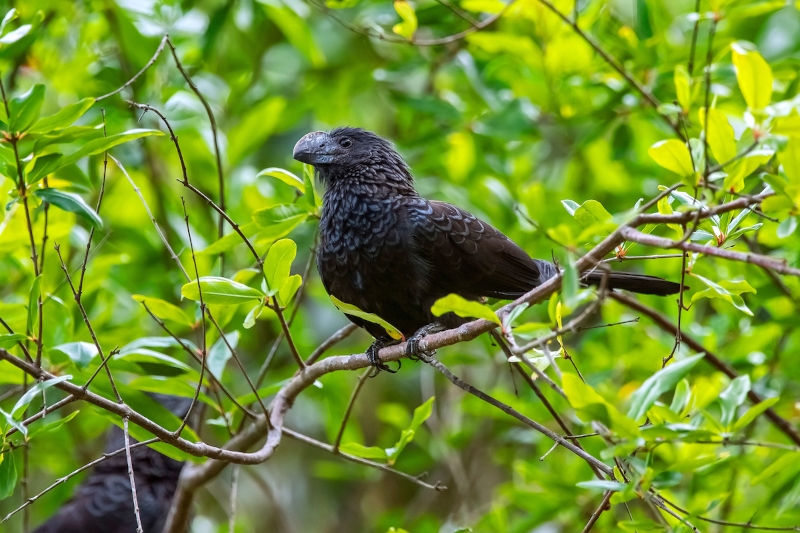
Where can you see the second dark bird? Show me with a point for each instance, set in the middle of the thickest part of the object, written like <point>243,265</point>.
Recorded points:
<point>393,253</point>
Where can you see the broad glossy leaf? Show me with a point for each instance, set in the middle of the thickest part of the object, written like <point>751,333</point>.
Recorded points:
<point>24,109</point>
<point>278,264</point>
<point>683,87</point>
<point>165,310</point>
<point>284,176</point>
<point>602,484</point>
<point>721,139</point>
<point>724,290</point>
<point>289,289</point>
<point>754,76</point>
<point>230,241</point>
<point>8,475</point>
<point>732,397</point>
<point>789,126</point>
<point>155,342</point>
<point>7,340</point>
<point>753,413</point>
<point>64,118</point>
<point>35,429</point>
<point>150,362</point>
<point>659,383</point>
<point>453,303</point>
<point>672,155</point>
<point>255,312</point>
<point>359,450</point>
<point>81,353</point>
<point>96,146</point>
<point>19,408</point>
<point>44,165</point>
<point>71,202</point>
<point>350,309</point>
<point>421,414</point>
<point>68,135</point>
<point>220,291</point>
<point>277,214</point>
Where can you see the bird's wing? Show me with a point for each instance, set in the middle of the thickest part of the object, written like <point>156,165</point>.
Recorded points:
<point>468,256</point>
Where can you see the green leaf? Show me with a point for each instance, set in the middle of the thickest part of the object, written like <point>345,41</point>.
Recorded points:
<point>659,383</point>
<point>52,426</point>
<point>7,340</point>
<point>789,159</point>
<point>155,342</point>
<point>174,386</point>
<point>570,206</point>
<point>453,303</point>
<point>64,118</point>
<point>421,414</point>
<point>8,475</point>
<point>33,305</point>
<point>255,312</point>
<point>280,229</point>
<point>143,361</point>
<point>284,176</point>
<point>787,461</point>
<point>97,146</point>
<point>278,264</point>
<point>165,310</point>
<point>24,109</point>
<point>672,155</point>
<point>721,139</point>
<point>681,398</point>
<point>311,198</point>
<point>230,241</point>
<point>789,126</point>
<point>80,353</point>
<point>409,17</point>
<point>45,165</point>
<point>219,354</point>
<point>602,484</point>
<point>720,291</point>
<point>19,408</point>
<point>791,499</point>
<point>68,135</point>
<point>754,76</point>
<point>732,397</point>
<point>359,450</point>
<point>278,214</point>
<point>592,213</point>
<point>71,202</point>
<point>220,291</point>
<point>753,413</point>
<point>289,289</point>
<point>350,309</point>
<point>683,87</point>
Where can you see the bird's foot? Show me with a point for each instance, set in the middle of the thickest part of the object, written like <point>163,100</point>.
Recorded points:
<point>412,344</point>
<point>375,360</point>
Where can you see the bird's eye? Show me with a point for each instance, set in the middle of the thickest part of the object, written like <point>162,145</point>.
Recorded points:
<point>345,142</point>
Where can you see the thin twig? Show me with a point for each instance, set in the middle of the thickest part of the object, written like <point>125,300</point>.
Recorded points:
<point>340,334</point>
<point>604,505</point>
<point>133,79</point>
<point>139,528</point>
<point>234,490</point>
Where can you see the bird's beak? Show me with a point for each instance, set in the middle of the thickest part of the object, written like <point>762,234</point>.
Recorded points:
<point>314,148</point>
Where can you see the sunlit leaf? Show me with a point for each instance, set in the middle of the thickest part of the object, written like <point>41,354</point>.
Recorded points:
<point>284,176</point>
<point>278,264</point>
<point>351,309</point>
<point>70,202</point>
<point>164,310</point>
<point>64,118</point>
<point>221,291</point>
<point>659,383</point>
<point>753,413</point>
<point>409,17</point>
<point>732,397</point>
<point>720,134</point>
<point>24,109</point>
<point>453,303</point>
<point>754,76</point>
<point>672,155</point>
<point>81,353</point>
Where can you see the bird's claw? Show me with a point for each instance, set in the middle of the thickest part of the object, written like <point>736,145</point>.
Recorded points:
<point>375,360</point>
<point>413,351</point>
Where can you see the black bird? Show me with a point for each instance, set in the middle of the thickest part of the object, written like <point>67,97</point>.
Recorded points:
<point>103,503</point>
<point>388,251</point>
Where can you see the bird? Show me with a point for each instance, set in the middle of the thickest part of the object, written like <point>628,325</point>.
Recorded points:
<point>102,503</point>
<point>388,251</point>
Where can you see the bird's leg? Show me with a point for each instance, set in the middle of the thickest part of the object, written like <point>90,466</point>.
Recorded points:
<point>374,360</point>
<point>412,344</point>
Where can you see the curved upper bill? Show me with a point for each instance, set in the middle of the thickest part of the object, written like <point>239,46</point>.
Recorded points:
<point>314,148</point>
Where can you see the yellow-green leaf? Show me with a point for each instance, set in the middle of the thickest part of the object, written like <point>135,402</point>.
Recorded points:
<point>220,291</point>
<point>754,75</point>
<point>278,264</point>
<point>351,309</point>
<point>409,16</point>
<point>284,176</point>
<point>453,303</point>
<point>164,310</point>
<point>790,160</point>
<point>720,135</point>
<point>683,90</point>
<point>672,155</point>
<point>789,126</point>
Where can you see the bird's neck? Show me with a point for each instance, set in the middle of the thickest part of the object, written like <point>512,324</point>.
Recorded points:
<point>368,181</point>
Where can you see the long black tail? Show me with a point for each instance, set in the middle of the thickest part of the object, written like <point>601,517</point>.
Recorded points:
<point>639,283</point>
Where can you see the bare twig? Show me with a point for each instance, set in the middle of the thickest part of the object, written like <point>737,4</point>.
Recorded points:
<point>144,69</point>
<point>604,505</point>
<point>139,528</point>
<point>341,334</point>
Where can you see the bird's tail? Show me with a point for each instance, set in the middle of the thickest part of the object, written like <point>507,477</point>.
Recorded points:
<point>638,283</point>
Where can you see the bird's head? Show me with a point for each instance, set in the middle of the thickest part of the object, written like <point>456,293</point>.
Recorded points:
<point>352,152</point>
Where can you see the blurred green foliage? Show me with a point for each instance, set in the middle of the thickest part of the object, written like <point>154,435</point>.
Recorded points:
<point>508,122</point>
